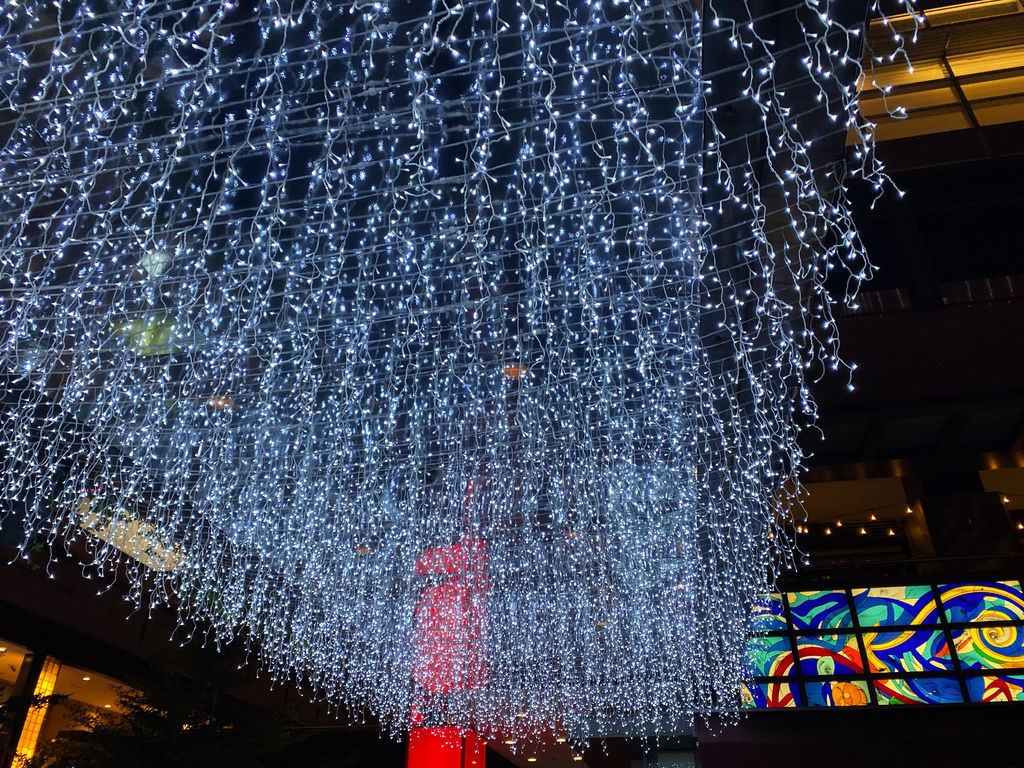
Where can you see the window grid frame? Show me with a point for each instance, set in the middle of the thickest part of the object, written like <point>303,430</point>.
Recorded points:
<point>800,681</point>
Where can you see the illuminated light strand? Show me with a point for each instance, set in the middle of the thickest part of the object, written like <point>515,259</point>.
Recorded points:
<point>280,285</point>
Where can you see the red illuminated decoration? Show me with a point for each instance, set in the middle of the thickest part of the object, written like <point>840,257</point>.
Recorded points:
<point>435,748</point>
<point>450,620</point>
<point>516,371</point>
<point>445,748</point>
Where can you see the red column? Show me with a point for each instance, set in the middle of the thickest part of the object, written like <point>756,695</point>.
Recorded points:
<point>449,620</point>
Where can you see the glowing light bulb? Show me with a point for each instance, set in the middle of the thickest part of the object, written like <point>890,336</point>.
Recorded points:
<point>357,310</point>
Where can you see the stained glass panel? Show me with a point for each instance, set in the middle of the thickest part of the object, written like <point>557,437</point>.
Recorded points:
<point>768,614</point>
<point>829,655</point>
<point>990,647</point>
<point>819,610</point>
<point>921,690</point>
<point>769,657</point>
<point>907,651</point>
<point>838,693</point>
<point>782,694</point>
<point>992,644</point>
<point>990,601</point>
<point>886,606</point>
<point>996,688</point>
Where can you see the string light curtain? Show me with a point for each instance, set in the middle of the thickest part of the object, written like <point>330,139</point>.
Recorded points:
<point>293,293</point>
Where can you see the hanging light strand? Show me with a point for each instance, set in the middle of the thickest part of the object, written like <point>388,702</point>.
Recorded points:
<point>295,293</point>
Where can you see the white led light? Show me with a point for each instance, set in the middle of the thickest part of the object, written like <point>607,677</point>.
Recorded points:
<point>292,298</point>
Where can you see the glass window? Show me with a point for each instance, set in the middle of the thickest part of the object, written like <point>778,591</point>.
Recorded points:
<point>819,610</point>
<point>899,633</point>
<point>990,647</point>
<point>769,657</point>
<point>888,606</point>
<point>12,656</point>
<point>911,651</point>
<point>991,601</point>
<point>768,615</point>
<point>919,690</point>
<point>91,699</point>
<point>996,688</point>
<point>781,694</point>
<point>838,693</point>
<point>829,655</point>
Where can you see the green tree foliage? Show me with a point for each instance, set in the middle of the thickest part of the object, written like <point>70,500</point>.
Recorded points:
<point>181,715</point>
<point>177,715</point>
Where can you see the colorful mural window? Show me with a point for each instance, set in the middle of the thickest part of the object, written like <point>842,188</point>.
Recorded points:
<point>895,606</point>
<point>820,610</point>
<point>771,695</point>
<point>990,647</point>
<point>769,657</point>
<point>829,655</point>
<point>916,644</point>
<point>996,688</point>
<point>909,651</point>
<point>838,693</point>
<point>918,690</point>
<point>998,601</point>
<point>769,615</point>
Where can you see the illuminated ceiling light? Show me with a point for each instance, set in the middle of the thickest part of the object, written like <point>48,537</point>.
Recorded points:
<point>577,758</point>
<point>863,531</point>
<point>515,371</point>
<point>561,740</point>
<point>828,531</point>
<point>531,759</point>
<point>510,742</point>
<point>86,678</point>
<point>891,532</point>
<point>221,403</point>
<point>910,510</point>
<point>959,13</point>
<point>873,517</point>
<point>285,319</point>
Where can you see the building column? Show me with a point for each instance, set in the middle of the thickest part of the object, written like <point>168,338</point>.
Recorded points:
<point>37,679</point>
